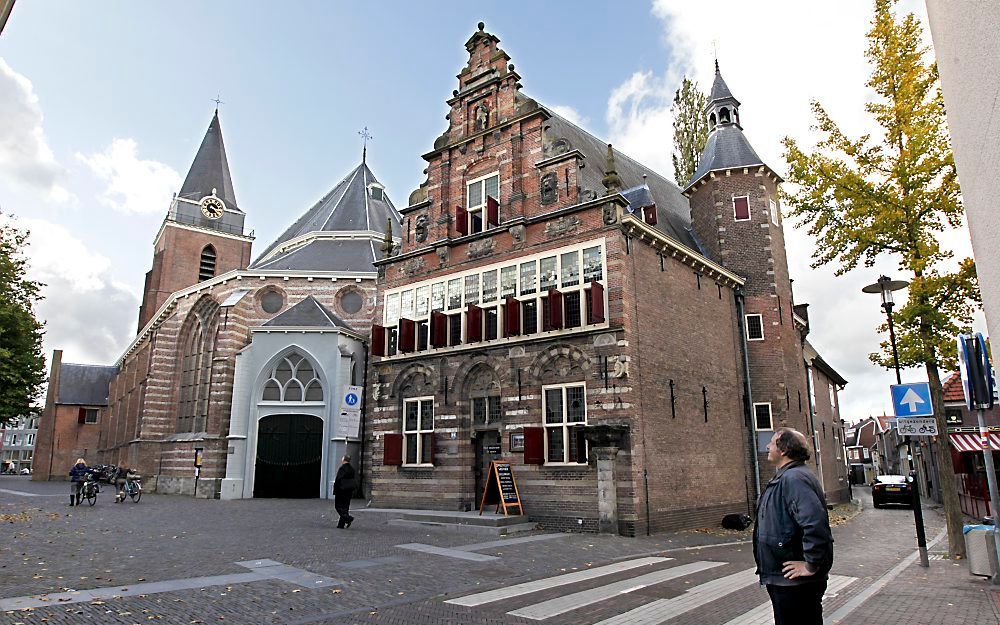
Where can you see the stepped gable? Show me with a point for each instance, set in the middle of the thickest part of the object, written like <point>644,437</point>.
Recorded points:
<point>308,313</point>
<point>341,232</point>
<point>673,211</point>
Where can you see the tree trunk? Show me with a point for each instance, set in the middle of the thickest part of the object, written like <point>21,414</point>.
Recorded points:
<point>946,470</point>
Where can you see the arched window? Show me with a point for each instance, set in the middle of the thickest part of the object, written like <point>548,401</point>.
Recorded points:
<point>197,350</point>
<point>293,379</point>
<point>206,269</point>
<point>724,116</point>
<point>484,397</point>
<point>711,120</point>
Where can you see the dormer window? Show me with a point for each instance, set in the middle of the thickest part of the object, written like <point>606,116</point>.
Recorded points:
<point>376,191</point>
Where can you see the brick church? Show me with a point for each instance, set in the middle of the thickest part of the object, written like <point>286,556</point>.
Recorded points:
<point>626,344</point>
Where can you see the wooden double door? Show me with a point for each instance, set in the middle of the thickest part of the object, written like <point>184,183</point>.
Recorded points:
<point>289,456</point>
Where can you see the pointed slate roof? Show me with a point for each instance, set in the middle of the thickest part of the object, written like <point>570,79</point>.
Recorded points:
<point>85,385</point>
<point>210,169</point>
<point>720,90</point>
<point>333,232</point>
<point>308,313</point>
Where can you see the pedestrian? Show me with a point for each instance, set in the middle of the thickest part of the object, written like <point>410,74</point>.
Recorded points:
<point>343,490</point>
<point>792,542</point>
<point>78,475</point>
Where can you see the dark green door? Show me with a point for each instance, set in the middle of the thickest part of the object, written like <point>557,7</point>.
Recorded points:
<point>289,456</point>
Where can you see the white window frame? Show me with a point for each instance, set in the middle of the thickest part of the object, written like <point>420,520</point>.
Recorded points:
<point>746,321</point>
<point>479,208</point>
<point>566,425</point>
<point>86,415</point>
<point>773,206</point>
<point>392,307</point>
<point>749,210</point>
<point>770,416</point>
<point>418,432</point>
<point>833,396</point>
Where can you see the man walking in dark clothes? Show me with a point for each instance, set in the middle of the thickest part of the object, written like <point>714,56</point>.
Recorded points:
<point>343,490</point>
<point>792,542</point>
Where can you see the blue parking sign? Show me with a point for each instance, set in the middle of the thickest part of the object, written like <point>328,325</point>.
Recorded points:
<point>912,400</point>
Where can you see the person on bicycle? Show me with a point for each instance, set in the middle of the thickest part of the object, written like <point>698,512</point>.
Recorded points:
<point>78,475</point>
<point>122,475</point>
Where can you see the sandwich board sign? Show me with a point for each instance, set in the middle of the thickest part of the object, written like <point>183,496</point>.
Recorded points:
<point>501,489</point>
<point>912,400</point>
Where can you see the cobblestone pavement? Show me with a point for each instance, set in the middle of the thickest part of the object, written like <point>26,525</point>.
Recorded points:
<point>48,547</point>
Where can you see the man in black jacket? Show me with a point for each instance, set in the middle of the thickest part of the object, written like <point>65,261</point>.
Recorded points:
<point>343,490</point>
<point>792,542</point>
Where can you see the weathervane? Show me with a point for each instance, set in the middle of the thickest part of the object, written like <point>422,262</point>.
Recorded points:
<point>218,100</point>
<point>365,136</point>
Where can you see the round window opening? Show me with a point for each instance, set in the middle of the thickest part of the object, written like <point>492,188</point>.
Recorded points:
<point>271,302</point>
<point>351,302</point>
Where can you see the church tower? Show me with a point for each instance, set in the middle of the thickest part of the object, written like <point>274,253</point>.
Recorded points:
<point>735,214</point>
<point>202,235</point>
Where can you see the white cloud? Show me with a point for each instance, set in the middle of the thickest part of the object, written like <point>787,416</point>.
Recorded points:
<point>25,156</point>
<point>134,185</point>
<point>776,57</point>
<point>88,315</point>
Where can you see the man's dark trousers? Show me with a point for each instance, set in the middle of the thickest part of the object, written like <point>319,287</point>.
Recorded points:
<point>342,503</point>
<point>801,604</point>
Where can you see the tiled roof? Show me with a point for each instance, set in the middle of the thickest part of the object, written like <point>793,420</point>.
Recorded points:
<point>84,385</point>
<point>953,391</point>
<point>308,313</point>
<point>210,169</point>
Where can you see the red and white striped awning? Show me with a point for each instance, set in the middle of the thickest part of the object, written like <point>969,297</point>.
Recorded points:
<point>970,441</point>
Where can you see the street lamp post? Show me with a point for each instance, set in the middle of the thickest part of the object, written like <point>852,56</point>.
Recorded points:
<point>885,286</point>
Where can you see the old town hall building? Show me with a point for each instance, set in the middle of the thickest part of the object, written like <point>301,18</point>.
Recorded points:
<point>627,345</point>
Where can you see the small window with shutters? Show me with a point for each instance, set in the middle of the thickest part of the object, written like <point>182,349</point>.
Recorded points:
<point>741,208</point>
<point>407,335</point>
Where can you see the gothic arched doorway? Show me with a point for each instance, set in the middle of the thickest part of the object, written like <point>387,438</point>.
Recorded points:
<point>289,456</point>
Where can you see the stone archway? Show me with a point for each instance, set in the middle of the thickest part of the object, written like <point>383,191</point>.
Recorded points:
<point>289,456</point>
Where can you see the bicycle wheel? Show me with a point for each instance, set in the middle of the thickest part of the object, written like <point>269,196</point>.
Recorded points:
<point>91,496</point>
<point>136,494</point>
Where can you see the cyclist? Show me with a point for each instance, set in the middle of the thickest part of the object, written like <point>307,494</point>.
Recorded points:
<point>122,475</point>
<point>78,475</point>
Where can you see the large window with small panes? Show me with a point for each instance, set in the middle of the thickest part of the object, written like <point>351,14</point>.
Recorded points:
<point>564,410</point>
<point>418,431</point>
<point>553,291</point>
<point>762,416</point>
<point>755,327</point>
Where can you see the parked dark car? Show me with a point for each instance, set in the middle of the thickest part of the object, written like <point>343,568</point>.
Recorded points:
<point>892,489</point>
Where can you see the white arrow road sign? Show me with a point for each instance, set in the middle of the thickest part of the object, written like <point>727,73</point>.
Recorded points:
<point>911,399</point>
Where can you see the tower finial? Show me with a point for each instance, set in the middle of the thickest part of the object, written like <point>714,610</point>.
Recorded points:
<point>218,100</point>
<point>365,135</point>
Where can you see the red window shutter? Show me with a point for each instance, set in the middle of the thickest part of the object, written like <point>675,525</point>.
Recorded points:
<point>595,303</point>
<point>439,329</point>
<point>81,417</point>
<point>649,215</point>
<point>474,324</point>
<point>378,341</point>
<point>392,452</point>
<point>492,211</point>
<point>534,445</point>
<point>555,310</point>
<point>511,317</point>
<point>407,335</point>
<point>741,207</point>
<point>461,220</point>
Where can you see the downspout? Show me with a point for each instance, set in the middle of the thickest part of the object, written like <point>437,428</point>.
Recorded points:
<point>748,408</point>
<point>364,411</point>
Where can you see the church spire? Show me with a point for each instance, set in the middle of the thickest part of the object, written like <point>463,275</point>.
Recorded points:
<point>209,171</point>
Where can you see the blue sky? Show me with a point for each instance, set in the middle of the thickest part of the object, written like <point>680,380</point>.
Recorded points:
<point>104,105</point>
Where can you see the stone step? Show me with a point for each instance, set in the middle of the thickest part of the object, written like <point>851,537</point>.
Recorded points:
<point>507,529</point>
<point>463,518</point>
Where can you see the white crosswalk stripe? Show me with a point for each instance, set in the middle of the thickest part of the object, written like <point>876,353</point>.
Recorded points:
<point>763,615</point>
<point>560,605</point>
<point>553,582</point>
<point>663,610</point>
